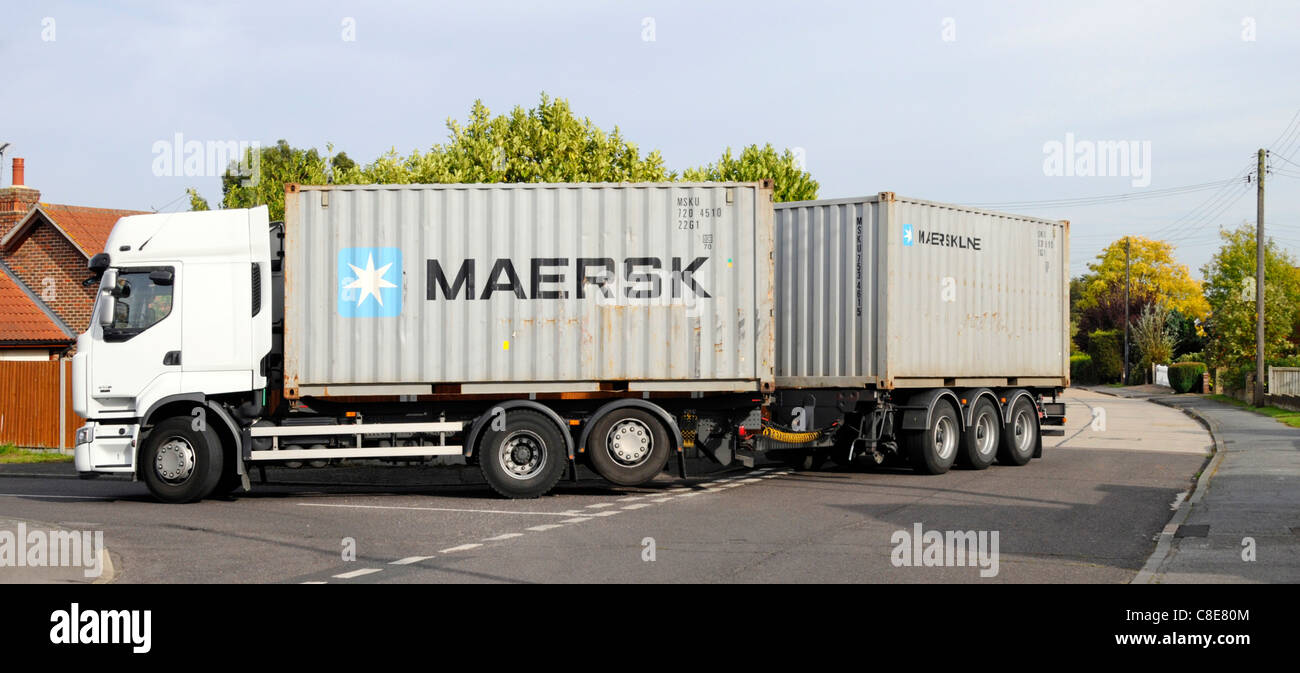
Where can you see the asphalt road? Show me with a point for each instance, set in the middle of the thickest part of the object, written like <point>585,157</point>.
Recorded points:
<point>1088,511</point>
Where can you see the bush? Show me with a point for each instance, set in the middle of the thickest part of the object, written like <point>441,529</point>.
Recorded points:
<point>1081,370</point>
<point>1190,357</point>
<point>1185,376</point>
<point>1105,346</point>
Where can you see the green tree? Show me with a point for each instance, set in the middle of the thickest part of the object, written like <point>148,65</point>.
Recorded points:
<point>792,182</point>
<point>546,143</point>
<point>270,168</point>
<point>1154,274</point>
<point>1229,289</point>
<point>197,202</point>
<point>1153,337</point>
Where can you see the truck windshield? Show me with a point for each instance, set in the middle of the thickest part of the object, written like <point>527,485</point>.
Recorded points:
<point>141,303</point>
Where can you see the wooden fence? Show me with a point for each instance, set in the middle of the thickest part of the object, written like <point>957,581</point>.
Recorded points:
<point>36,404</point>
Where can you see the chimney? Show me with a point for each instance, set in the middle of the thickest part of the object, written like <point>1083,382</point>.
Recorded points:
<point>17,199</point>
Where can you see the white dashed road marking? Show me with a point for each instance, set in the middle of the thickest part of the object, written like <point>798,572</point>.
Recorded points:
<point>575,516</point>
<point>409,560</point>
<point>434,509</point>
<point>357,573</point>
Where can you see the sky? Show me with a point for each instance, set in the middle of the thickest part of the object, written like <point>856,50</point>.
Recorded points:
<point>962,102</point>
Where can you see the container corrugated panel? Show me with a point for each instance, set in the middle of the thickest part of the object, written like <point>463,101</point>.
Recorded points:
<point>487,285</point>
<point>908,293</point>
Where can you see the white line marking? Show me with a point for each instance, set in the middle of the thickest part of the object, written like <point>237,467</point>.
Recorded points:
<point>750,481</point>
<point>314,582</point>
<point>503,536</point>
<point>692,494</point>
<point>663,499</point>
<point>638,505</point>
<point>630,498</point>
<point>44,495</point>
<point>357,573</point>
<point>608,512</point>
<point>577,519</point>
<point>462,547</point>
<point>433,509</point>
<point>409,560</point>
<point>545,526</point>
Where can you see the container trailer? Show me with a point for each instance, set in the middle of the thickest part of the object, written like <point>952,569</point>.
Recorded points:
<point>917,331</point>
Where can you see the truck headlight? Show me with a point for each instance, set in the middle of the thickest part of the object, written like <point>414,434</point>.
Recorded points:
<point>85,434</point>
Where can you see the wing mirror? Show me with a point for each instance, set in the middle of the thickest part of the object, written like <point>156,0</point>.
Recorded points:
<point>107,301</point>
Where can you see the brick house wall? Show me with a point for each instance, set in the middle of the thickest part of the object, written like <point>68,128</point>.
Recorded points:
<point>49,264</point>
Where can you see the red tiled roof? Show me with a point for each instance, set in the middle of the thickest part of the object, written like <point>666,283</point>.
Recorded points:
<point>87,228</point>
<point>24,322</point>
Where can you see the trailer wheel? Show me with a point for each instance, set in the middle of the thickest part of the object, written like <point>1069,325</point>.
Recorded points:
<point>628,446</point>
<point>179,463</point>
<point>934,449</point>
<point>525,458</point>
<point>1020,437</point>
<point>980,443</point>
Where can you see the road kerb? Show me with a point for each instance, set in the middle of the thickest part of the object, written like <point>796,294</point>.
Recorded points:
<point>1150,572</point>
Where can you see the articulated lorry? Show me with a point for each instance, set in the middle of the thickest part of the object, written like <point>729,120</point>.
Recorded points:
<point>532,328</point>
<point>524,327</point>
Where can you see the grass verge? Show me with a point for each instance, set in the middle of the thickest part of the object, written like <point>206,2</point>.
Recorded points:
<point>12,454</point>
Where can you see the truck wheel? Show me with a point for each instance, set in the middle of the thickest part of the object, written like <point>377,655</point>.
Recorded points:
<point>979,444</point>
<point>934,449</point>
<point>526,458</point>
<point>179,463</point>
<point>1020,437</point>
<point>628,446</point>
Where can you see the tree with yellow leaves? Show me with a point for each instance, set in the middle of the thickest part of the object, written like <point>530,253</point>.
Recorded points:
<point>1154,275</point>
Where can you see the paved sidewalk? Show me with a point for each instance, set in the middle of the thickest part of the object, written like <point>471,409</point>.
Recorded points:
<point>1248,501</point>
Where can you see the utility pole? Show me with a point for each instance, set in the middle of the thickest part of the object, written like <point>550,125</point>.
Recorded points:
<point>1259,278</point>
<point>1126,284</point>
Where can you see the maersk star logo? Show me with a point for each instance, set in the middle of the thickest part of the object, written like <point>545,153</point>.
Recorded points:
<point>907,235</point>
<point>370,282</point>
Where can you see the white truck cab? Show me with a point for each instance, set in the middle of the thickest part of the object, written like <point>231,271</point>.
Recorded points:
<point>183,313</point>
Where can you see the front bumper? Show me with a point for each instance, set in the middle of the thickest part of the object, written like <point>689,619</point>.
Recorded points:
<point>106,448</point>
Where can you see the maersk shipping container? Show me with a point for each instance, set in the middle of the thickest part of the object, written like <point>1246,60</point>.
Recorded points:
<point>528,288</point>
<point>903,293</point>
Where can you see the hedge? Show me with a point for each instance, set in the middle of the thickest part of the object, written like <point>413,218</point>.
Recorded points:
<point>1185,376</point>
<point>1081,368</point>
<point>1106,348</point>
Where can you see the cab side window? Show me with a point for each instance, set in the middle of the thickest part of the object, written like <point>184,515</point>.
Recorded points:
<point>141,303</point>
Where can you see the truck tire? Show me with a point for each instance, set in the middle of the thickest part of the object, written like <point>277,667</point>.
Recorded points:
<point>1020,436</point>
<point>980,442</point>
<point>179,463</point>
<point>933,450</point>
<point>628,446</point>
<point>525,458</point>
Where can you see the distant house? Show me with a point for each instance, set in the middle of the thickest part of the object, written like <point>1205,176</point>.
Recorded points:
<point>46,246</point>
